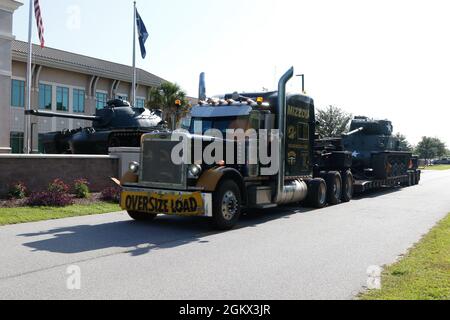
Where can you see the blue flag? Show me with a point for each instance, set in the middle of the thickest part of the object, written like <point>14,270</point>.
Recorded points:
<point>143,34</point>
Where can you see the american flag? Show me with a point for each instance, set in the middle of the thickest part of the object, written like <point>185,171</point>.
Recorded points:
<point>40,24</point>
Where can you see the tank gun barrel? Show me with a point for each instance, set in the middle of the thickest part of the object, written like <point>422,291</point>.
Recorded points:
<point>354,132</point>
<point>47,114</point>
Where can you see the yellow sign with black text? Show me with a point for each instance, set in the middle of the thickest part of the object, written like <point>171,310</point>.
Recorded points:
<point>184,204</point>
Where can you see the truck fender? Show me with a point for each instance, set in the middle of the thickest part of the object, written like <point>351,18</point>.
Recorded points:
<point>210,179</point>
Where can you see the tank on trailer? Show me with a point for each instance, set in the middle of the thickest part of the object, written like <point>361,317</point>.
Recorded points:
<point>377,159</point>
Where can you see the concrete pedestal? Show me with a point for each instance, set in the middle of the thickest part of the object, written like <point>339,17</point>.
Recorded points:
<point>7,8</point>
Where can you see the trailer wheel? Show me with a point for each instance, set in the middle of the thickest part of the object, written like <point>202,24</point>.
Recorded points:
<point>227,205</point>
<point>417,178</point>
<point>347,186</point>
<point>413,179</point>
<point>334,187</point>
<point>410,179</point>
<point>139,216</point>
<point>317,193</point>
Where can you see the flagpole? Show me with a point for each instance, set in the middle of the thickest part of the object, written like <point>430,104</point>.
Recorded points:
<point>134,56</point>
<point>26,133</point>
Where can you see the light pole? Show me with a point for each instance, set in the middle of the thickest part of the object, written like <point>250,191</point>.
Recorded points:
<point>303,82</point>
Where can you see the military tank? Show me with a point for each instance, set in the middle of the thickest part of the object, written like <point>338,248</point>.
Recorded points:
<point>118,124</point>
<point>373,153</point>
<point>375,150</point>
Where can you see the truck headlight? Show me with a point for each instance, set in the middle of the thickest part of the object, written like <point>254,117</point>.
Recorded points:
<point>194,171</point>
<point>134,167</point>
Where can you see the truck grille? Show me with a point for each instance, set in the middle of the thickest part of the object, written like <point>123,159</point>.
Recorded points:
<point>157,165</point>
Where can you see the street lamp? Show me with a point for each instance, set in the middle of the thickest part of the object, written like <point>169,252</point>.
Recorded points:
<point>303,82</point>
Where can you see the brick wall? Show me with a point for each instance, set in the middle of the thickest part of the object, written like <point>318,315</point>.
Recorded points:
<point>37,171</point>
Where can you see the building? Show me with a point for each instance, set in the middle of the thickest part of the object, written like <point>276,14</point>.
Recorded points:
<point>61,82</point>
<point>68,83</point>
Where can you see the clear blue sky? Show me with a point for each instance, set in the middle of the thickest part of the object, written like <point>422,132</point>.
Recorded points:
<point>384,59</point>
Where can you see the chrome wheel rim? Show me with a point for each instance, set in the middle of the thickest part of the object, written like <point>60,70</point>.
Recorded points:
<point>349,187</point>
<point>338,188</point>
<point>229,206</point>
<point>322,193</point>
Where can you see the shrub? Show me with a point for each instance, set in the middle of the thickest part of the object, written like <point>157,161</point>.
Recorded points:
<point>56,196</point>
<point>111,195</point>
<point>17,191</point>
<point>58,186</point>
<point>81,188</point>
<point>49,199</point>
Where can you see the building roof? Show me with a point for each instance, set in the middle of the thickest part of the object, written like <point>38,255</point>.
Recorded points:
<point>64,60</point>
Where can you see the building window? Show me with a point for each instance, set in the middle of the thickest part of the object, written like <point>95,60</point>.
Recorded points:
<point>16,142</point>
<point>45,96</point>
<point>140,103</point>
<point>17,93</point>
<point>78,101</point>
<point>62,99</point>
<point>101,100</point>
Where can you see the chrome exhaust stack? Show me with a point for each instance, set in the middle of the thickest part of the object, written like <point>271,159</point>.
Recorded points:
<point>297,190</point>
<point>202,88</point>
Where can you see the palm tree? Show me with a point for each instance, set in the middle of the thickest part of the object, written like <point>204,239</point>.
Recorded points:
<point>171,99</point>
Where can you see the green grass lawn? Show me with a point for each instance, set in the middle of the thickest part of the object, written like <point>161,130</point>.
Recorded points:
<point>440,167</point>
<point>28,214</point>
<point>424,274</point>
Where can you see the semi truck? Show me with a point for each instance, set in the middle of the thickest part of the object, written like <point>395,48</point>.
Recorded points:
<point>308,172</point>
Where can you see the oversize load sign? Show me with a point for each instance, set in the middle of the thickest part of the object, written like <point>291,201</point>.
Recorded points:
<point>190,204</point>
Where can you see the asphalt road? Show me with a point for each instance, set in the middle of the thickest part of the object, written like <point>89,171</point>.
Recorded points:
<point>287,254</point>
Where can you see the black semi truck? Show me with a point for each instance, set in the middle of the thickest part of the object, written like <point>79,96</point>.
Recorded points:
<point>308,174</point>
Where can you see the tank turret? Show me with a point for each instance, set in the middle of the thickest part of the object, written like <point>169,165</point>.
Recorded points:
<point>118,124</point>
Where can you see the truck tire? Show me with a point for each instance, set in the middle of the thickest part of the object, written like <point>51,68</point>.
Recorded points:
<point>333,180</point>
<point>227,205</point>
<point>347,186</point>
<point>317,193</point>
<point>139,216</point>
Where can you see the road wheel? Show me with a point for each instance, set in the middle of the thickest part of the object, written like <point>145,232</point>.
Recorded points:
<point>317,194</point>
<point>334,187</point>
<point>347,186</point>
<point>227,205</point>
<point>139,216</point>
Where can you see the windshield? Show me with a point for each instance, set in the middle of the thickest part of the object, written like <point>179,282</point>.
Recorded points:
<point>201,125</point>
<point>185,123</point>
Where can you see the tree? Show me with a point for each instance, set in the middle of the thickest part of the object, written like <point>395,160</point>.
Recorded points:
<point>171,99</point>
<point>431,148</point>
<point>404,144</point>
<point>332,122</point>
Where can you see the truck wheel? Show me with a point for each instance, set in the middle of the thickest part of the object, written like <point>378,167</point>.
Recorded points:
<point>317,193</point>
<point>226,205</point>
<point>347,186</point>
<point>334,187</point>
<point>139,216</point>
